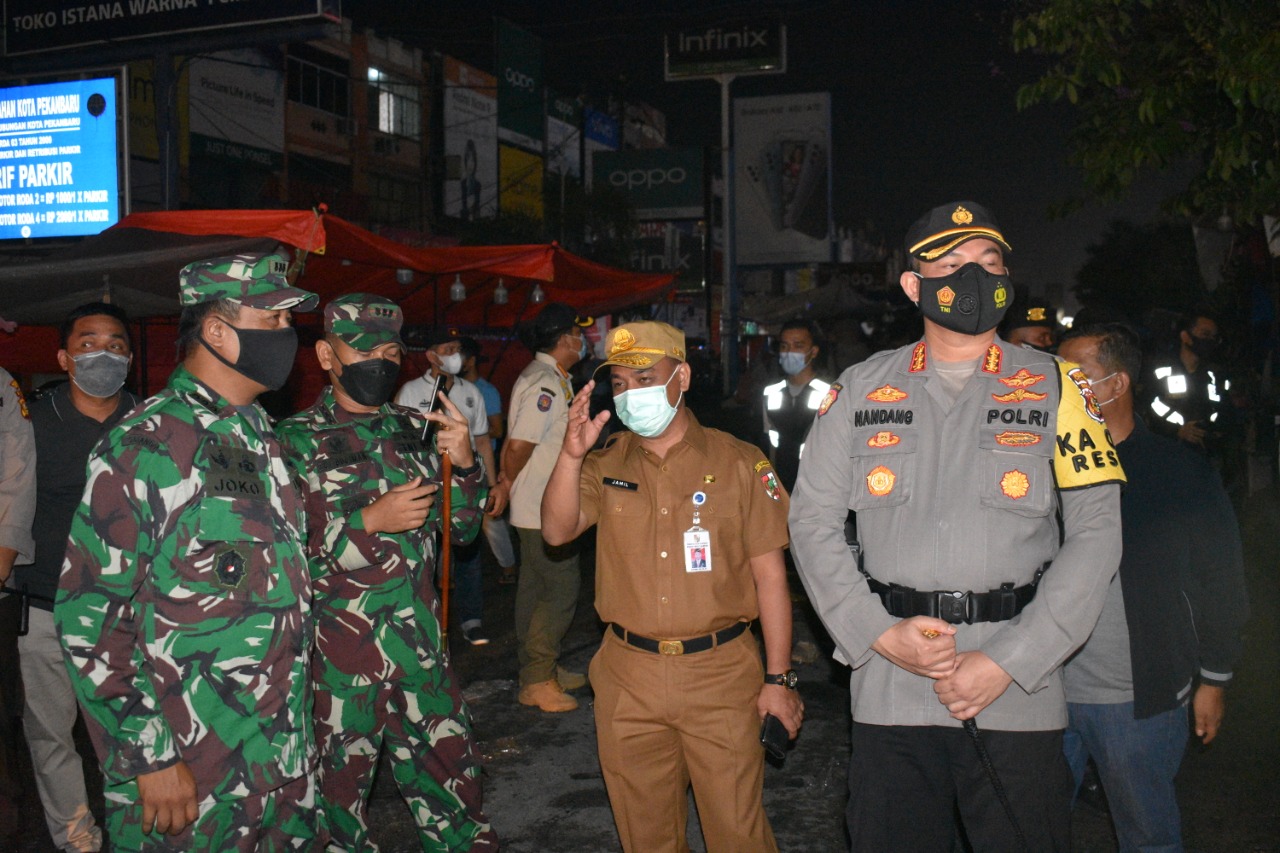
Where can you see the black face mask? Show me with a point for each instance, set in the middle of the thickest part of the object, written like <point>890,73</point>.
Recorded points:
<point>970,300</point>
<point>266,355</point>
<point>1204,348</point>
<point>370,382</point>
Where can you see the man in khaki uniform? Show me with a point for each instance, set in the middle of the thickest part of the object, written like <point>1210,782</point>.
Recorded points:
<point>692,523</point>
<point>547,589</point>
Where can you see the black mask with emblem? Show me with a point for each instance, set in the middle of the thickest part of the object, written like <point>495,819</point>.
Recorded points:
<point>370,382</point>
<point>969,301</point>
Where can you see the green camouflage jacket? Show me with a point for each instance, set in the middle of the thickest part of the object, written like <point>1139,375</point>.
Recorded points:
<point>377,615</point>
<point>184,602</point>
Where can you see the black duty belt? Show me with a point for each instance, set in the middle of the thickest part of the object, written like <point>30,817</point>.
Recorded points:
<point>996,605</point>
<point>679,647</point>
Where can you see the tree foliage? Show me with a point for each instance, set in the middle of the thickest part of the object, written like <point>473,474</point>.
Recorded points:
<point>1134,268</point>
<point>1157,83</point>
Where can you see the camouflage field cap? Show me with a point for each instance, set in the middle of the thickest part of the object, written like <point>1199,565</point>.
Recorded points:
<point>943,228</point>
<point>364,321</point>
<point>255,280</point>
<point>643,344</point>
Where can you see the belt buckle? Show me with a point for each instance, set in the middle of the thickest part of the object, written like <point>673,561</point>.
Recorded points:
<point>670,647</point>
<point>953,607</point>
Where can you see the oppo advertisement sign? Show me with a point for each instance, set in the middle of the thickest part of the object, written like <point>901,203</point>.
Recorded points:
<point>58,167</point>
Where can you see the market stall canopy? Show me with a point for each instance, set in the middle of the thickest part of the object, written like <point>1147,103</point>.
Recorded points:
<point>138,261</point>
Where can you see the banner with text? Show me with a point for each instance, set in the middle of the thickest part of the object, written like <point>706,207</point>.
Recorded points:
<point>782,179</point>
<point>470,141</point>
<point>662,183</point>
<point>236,106</point>
<point>32,26</point>
<point>59,174</point>
<point>520,108</point>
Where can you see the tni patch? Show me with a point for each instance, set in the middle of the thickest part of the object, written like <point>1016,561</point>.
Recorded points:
<point>229,568</point>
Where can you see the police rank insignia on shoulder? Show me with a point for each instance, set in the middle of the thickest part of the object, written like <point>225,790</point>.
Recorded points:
<point>833,394</point>
<point>22,401</point>
<point>772,487</point>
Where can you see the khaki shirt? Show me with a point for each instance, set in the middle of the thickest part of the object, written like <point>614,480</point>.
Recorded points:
<point>644,504</point>
<point>539,415</point>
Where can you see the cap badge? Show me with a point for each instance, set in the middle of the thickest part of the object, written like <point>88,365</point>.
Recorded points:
<point>961,216</point>
<point>1036,315</point>
<point>623,340</point>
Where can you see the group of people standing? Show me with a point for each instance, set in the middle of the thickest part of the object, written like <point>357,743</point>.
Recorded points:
<point>248,615</point>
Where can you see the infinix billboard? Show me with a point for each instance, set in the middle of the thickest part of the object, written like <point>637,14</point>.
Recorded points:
<point>58,168</point>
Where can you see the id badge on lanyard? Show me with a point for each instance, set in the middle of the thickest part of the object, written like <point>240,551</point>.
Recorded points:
<point>697,541</point>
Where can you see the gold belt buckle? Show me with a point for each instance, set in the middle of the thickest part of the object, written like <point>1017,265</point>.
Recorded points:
<point>670,647</point>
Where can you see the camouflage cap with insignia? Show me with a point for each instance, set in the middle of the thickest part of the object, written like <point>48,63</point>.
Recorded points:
<point>943,228</point>
<point>364,321</point>
<point>643,344</point>
<point>257,280</point>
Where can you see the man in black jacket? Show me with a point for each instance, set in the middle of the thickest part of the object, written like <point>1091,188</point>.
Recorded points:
<point>1169,633</point>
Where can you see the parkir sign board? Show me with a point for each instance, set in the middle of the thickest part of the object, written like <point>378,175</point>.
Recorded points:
<point>58,164</point>
<point>727,48</point>
<point>37,26</point>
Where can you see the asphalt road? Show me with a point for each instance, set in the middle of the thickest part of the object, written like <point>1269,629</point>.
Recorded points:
<point>545,795</point>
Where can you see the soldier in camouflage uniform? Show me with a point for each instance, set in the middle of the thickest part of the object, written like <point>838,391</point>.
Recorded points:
<point>381,669</point>
<point>184,602</point>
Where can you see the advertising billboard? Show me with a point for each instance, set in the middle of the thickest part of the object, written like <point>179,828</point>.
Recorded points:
<point>59,173</point>
<point>753,48</point>
<point>670,247</point>
<point>599,133</point>
<point>471,141</point>
<point>662,183</point>
<point>33,26</point>
<point>236,105</point>
<point>782,179</point>
<point>521,176</point>
<point>520,108</point>
<point>564,135</point>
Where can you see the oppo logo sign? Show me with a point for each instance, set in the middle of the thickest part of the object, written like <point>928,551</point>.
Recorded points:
<point>647,178</point>
<point>518,79</point>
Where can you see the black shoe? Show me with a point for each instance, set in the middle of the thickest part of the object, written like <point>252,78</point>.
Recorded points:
<point>474,635</point>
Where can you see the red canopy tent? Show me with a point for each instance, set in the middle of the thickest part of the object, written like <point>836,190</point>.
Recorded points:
<point>137,262</point>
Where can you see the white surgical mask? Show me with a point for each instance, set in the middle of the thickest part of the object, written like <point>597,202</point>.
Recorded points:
<point>792,362</point>
<point>451,364</point>
<point>1093,382</point>
<point>645,411</point>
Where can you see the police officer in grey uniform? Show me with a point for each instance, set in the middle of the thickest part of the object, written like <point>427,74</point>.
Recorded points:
<point>987,512</point>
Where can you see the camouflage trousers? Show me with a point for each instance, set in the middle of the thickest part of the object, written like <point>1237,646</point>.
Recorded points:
<point>270,822</point>
<point>426,727</point>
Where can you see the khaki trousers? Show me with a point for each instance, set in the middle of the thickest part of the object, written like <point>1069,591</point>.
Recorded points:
<point>664,722</point>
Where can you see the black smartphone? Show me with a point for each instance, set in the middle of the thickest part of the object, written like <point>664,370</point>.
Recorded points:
<point>774,737</point>
<point>431,403</point>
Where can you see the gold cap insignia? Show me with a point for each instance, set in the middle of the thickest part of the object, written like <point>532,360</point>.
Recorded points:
<point>623,340</point>
<point>1036,314</point>
<point>961,216</point>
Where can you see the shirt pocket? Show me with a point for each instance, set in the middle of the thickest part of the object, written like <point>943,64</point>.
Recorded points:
<point>881,481</point>
<point>229,553</point>
<point>1017,482</point>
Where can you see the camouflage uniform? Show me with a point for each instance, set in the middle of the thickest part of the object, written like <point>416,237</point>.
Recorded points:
<point>381,669</point>
<point>184,609</point>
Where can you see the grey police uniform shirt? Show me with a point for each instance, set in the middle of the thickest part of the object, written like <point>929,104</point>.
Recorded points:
<point>960,494</point>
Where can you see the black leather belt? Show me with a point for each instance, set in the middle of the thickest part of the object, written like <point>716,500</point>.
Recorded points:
<point>679,647</point>
<point>996,605</point>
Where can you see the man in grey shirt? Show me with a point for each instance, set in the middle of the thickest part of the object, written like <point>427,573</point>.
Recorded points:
<point>971,466</point>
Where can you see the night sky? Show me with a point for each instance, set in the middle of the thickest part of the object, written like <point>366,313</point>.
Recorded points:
<point>923,102</point>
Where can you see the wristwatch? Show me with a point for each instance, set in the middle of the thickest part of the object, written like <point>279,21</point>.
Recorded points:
<point>788,679</point>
